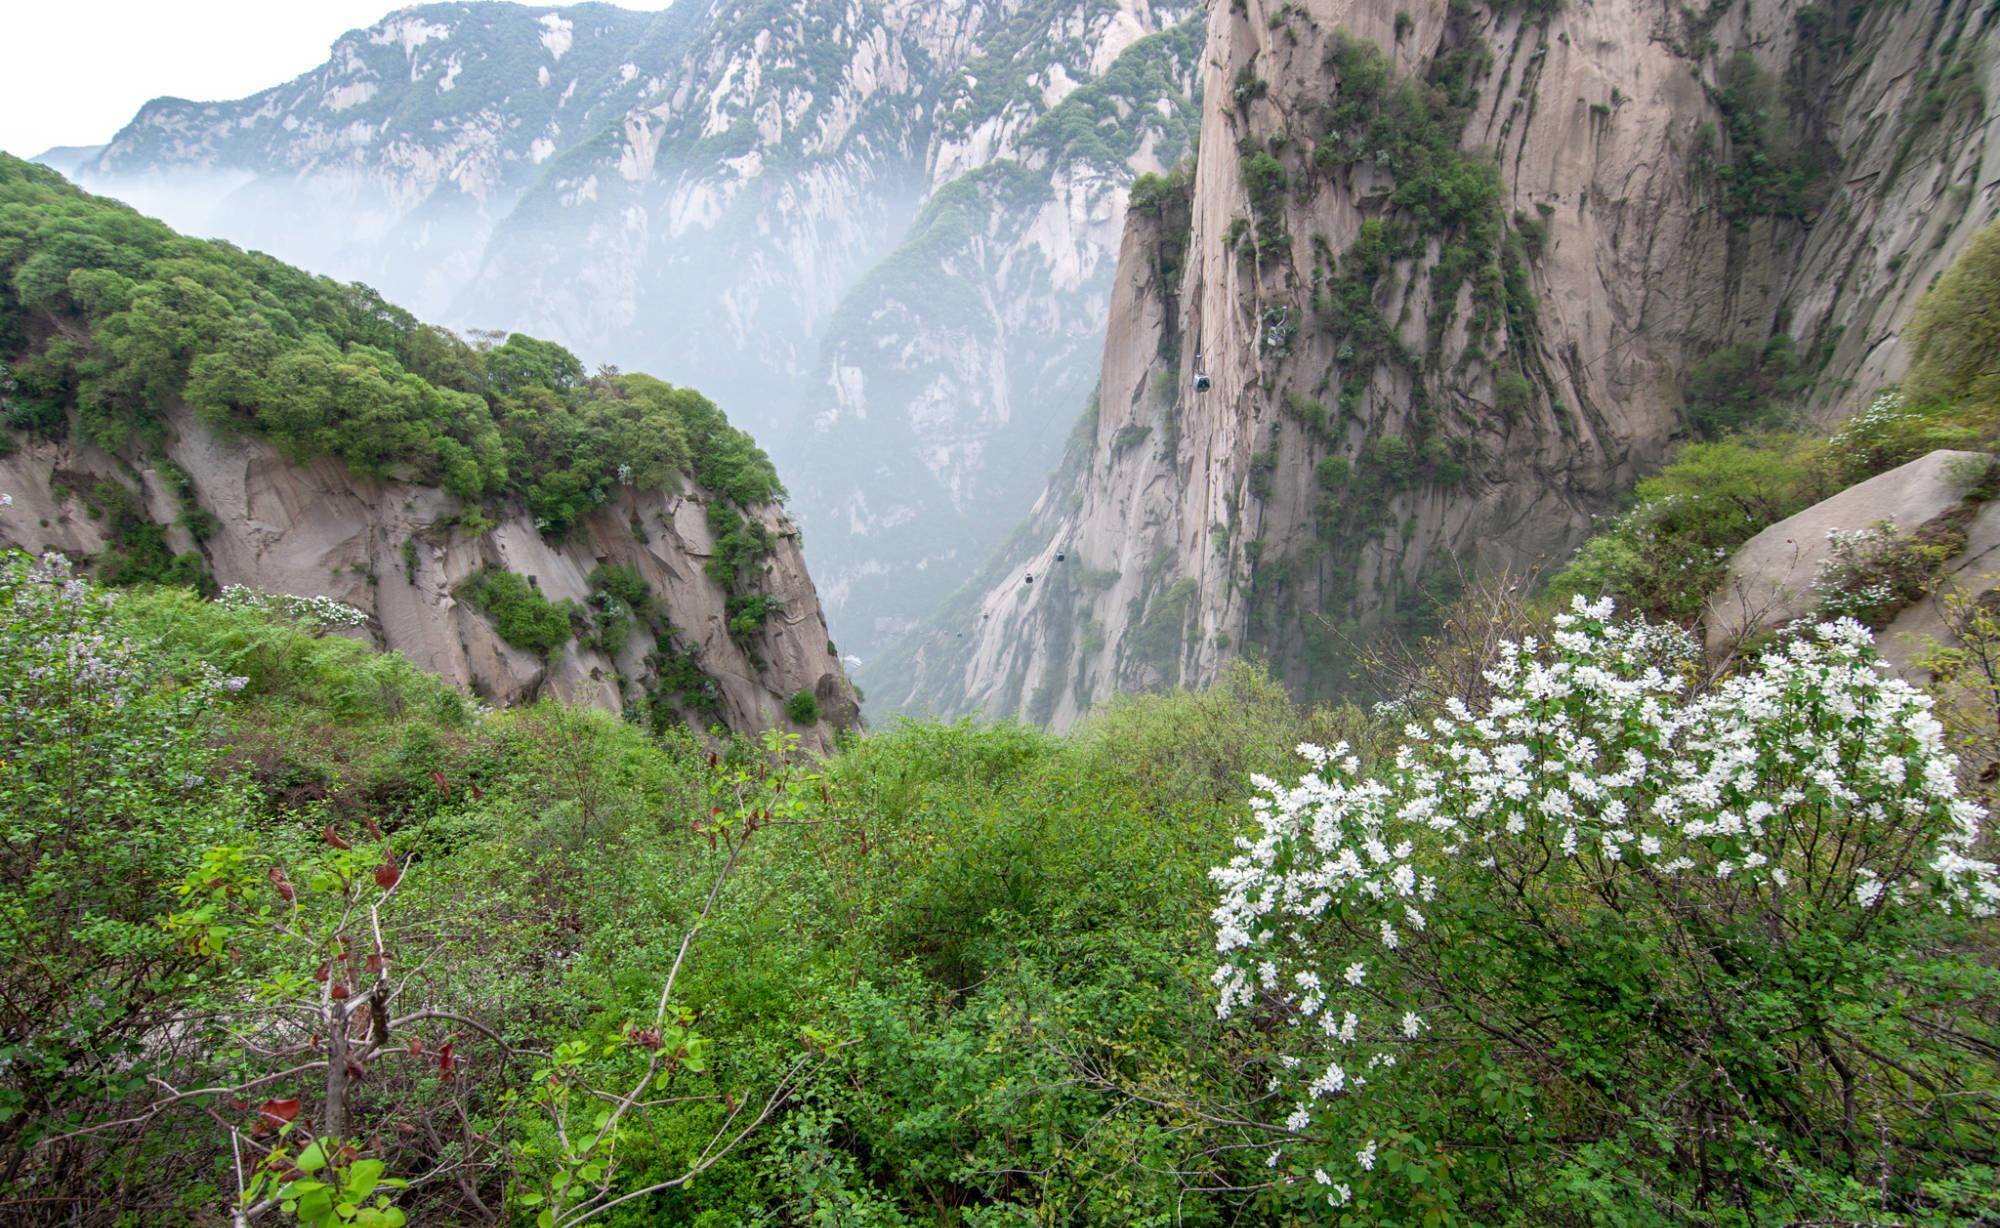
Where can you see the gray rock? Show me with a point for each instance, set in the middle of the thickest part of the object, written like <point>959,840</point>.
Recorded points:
<point>1771,576</point>
<point>316,529</point>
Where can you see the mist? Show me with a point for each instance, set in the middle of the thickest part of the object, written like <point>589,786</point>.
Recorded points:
<point>902,302</point>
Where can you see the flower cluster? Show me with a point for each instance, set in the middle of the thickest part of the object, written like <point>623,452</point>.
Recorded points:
<point>1846,583</point>
<point>321,613</point>
<point>67,680</point>
<point>1867,438</point>
<point>1800,777</point>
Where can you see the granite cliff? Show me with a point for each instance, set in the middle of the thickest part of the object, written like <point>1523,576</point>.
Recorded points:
<point>1455,275</point>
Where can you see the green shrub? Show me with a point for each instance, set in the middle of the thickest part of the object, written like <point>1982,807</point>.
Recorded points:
<point>1954,337</point>
<point>1664,556</point>
<point>1892,431</point>
<point>1742,387</point>
<point>1160,195</point>
<point>802,708</point>
<point>521,615</point>
<point>1264,179</point>
<point>619,595</point>
<point>1765,173</point>
<point>136,549</point>
<point>1128,437</point>
<point>108,770</point>
<point>1513,395</point>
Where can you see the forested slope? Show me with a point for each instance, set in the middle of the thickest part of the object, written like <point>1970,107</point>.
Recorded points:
<point>180,410</point>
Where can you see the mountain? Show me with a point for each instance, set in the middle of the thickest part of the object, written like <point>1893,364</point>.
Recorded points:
<point>66,158</point>
<point>1455,275</point>
<point>879,233</point>
<point>180,411</point>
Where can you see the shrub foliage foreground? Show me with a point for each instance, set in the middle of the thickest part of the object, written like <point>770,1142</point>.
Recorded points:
<point>294,933</point>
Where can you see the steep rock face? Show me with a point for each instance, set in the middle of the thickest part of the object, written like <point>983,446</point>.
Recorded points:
<point>1429,353</point>
<point>951,368</point>
<point>394,550</point>
<point>878,232</point>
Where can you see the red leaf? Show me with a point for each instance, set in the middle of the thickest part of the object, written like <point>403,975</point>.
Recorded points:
<point>339,991</point>
<point>387,875</point>
<point>278,1111</point>
<point>374,828</point>
<point>416,1046</point>
<point>376,962</point>
<point>443,785</point>
<point>320,973</point>
<point>283,884</point>
<point>446,1062</point>
<point>333,837</point>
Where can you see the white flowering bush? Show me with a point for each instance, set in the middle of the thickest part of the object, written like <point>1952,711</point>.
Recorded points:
<point>1601,891</point>
<point>319,613</point>
<point>1871,573</point>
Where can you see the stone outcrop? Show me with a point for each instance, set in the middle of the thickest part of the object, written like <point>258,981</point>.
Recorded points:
<point>1330,482</point>
<point>1771,577</point>
<point>395,551</point>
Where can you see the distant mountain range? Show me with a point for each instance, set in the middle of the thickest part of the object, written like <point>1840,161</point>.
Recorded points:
<point>881,235</point>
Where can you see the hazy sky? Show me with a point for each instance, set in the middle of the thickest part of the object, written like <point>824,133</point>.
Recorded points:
<point>73,71</point>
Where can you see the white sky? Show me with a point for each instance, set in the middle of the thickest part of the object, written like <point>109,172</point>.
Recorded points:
<point>72,72</point>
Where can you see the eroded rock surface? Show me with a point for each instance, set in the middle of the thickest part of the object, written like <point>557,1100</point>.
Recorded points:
<point>1318,493</point>
<point>391,550</point>
<point>1771,576</point>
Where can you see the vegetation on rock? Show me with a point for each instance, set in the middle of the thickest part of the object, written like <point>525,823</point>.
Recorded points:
<point>112,318</point>
<point>522,616</point>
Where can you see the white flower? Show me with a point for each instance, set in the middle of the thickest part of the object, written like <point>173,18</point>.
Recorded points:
<point>1590,743</point>
<point>1366,1157</point>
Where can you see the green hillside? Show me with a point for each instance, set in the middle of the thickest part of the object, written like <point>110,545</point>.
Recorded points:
<point>107,316</point>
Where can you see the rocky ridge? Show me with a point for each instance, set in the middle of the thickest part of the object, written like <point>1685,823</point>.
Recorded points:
<point>399,551</point>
